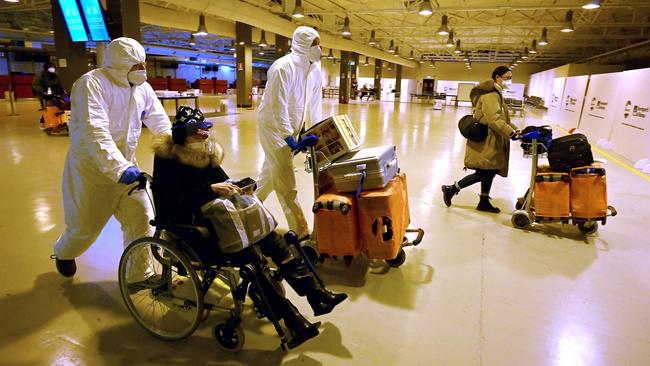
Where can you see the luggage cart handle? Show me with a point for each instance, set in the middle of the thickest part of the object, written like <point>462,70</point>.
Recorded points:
<point>612,211</point>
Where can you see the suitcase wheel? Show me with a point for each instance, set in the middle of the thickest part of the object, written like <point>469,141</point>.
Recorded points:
<point>398,260</point>
<point>588,227</point>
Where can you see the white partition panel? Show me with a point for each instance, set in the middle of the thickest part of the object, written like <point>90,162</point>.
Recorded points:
<point>631,125</point>
<point>571,103</point>
<point>600,106</point>
<point>555,100</point>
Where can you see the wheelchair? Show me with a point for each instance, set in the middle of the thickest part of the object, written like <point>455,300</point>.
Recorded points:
<point>182,262</point>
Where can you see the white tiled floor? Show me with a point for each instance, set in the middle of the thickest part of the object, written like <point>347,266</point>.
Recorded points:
<point>476,292</point>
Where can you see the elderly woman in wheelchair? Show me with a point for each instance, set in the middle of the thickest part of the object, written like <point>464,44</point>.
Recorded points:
<point>193,197</point>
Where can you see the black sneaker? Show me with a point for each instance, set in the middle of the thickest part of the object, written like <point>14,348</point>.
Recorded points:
<point>447,193</point>
<point>66,267</point>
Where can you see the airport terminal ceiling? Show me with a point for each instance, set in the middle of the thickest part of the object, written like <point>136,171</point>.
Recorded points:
<point>489,31</point>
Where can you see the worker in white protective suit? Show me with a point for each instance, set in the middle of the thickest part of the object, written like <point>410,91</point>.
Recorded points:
<point>109,105</point>
<point>292,94</point>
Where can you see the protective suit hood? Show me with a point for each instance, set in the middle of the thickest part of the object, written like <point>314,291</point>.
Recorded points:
<point>303,37</point>
<point>121,55</point>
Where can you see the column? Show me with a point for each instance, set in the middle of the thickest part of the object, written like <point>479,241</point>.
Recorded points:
<point>354,71</point>
<point>344,87</point>
<point>243,40</point>
<point>398,81</point>
<point>378,69</point>
<point>282,45</point>
<point>125,16</point>
<point>72,61</point>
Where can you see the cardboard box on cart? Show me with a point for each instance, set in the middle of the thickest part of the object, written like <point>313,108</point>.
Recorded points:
<point>336,137</point>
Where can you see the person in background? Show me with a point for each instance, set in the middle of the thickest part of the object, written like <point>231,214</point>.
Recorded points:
<point>109,106</point>
<point>293,88</point>
<point>488,157</point>
<point>47,83</point>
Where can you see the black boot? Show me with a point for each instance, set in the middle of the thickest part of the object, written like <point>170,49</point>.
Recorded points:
<point>299,276</point>
<point>302,280</point>
<point>323,301</point>
<point>448,192</point>
<point>66,267</point>
<point>485,205</point>
<point>300,329</point>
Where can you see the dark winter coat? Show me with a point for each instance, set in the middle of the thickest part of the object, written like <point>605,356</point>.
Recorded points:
<point>182,178</point>
<point>493,153</point>
<point>47,80</point>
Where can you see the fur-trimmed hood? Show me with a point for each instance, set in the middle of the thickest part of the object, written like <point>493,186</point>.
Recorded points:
<point>164,147</point>
<point>484,87</point>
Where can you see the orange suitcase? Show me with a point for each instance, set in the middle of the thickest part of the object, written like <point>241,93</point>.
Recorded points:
<point>383,219</point>
<point>337,224</point>
<point>551,195</point>
<point>588,192</point>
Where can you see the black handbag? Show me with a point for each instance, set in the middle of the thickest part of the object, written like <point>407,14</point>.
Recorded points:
<point>472,129</point>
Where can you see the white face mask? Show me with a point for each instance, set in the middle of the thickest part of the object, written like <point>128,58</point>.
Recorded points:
<point>506,84</point>
<point>314,54</point>
<point>51,70</point>
<point>137,77</point>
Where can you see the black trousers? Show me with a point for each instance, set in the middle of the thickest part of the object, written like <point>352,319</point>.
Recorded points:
<point>484,176</point>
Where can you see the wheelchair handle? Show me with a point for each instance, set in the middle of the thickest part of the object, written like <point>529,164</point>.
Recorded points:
<point>142,179</point>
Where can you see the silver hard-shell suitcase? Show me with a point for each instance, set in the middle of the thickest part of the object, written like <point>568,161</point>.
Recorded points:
<point>375,165</point>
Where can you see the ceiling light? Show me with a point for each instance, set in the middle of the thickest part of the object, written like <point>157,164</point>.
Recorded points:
<point>593,4</point>
<point>458,50</point>
<point>443,30</point>
<point>263,40</point>
<point>450,40</point>
<point>568,22</point>
<point>241,43</point>
<point>466,58</point>
<point>192,42</point>
<point>390,67</point>
<point>411,57</point>
<point>372,41</point>
<point>346,27</point>
<point>51,32</point>
<point>298,12</point>
<point>432,64</point>
<point>396,51</point>
<point>525,55</point>
<point>330,55</point>
<point>261,52</point>
<point>421,61</point>
<point>232,45</point>
<point>544,40</point>
<point>391,49</point>
<point>533,48</point>
<point>425,8</point>
<point>202,30</point>
<point>366,63</point>
<point>12,1</point>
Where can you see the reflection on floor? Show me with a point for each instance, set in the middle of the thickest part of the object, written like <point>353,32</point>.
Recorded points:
<point>476,291</point>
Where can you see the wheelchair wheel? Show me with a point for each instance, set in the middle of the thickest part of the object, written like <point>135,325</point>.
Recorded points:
<point>229,339</point>
<point>165,303</point>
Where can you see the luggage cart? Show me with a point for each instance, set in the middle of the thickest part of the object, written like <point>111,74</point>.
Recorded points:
<point>524,215</point>
<point>310,249</point>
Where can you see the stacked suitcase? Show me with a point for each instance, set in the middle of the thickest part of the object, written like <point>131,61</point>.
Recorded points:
<point>367,209</point>
<point>575,188</point>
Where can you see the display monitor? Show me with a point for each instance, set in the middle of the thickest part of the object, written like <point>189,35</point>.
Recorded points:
<point>73,20</point>
<point>95,20</point>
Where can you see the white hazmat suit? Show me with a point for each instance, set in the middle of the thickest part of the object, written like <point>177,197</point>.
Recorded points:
<point>105,125</point>
<point>294,83</point>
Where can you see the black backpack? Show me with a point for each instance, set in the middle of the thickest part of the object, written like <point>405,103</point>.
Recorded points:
<point>469,126</point>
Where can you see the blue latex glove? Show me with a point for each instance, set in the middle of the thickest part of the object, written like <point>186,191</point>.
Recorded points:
<point>130,175</point>
<point>309,140</point>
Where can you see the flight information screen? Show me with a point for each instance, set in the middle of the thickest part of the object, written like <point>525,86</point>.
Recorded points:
<point>95,20</point>
<point>73,20</point>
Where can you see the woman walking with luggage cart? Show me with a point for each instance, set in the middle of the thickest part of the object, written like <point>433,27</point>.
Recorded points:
<point>490,156</point>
